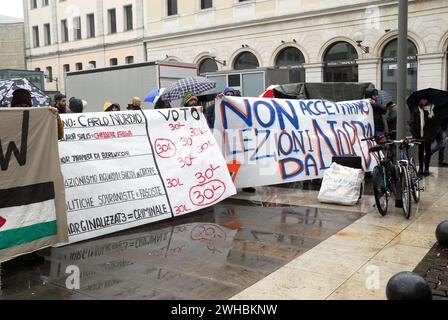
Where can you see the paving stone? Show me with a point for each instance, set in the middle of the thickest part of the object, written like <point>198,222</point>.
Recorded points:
<point>164,261</point>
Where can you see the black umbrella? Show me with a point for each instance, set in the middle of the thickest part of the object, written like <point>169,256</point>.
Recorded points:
<point>438,98</point>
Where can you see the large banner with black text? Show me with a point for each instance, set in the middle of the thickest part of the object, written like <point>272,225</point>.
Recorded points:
<point>126,169</point>
<point>274,141</point>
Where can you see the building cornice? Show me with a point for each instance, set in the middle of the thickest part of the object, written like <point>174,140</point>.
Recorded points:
<point>273,20</point>
<point>430,56</point>
<point>138,41</point>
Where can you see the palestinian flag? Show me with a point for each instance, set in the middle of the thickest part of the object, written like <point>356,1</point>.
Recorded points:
<point>27,214</point>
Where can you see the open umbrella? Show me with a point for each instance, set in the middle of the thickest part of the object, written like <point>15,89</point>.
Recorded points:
<point>154,95</point>
<point>178,89</point>
<point>7,87</point>
<point>439,99</point>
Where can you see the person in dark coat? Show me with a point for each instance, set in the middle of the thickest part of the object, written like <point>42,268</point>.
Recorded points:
<point>160,104</point>
<point>76,105</point>
<point>61,103</point>
<point>440,139</point>
<point>21,98</point>
<point>391,118</point>
<point>378,111</point>
<point>424,126</point>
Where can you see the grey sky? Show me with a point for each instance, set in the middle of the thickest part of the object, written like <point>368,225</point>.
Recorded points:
<point>12,8</point>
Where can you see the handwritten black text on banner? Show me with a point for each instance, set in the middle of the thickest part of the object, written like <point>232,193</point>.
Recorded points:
<point>126,169</point>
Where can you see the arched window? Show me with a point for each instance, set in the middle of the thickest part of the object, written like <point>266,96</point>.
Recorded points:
<point>340,63</point>
<point>292,58</point>
<point>246,60</point>
<point>207,65</point>
<point>446,66</point>
<point>389,68</point>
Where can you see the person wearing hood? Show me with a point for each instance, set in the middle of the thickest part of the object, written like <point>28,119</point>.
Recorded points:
<point>76,105</point>
<point>160,104</point>
<point>424,126</point>
<point>21,98</point>
<point>378,112</point>
<point>111,107</point>
<point>189,100</point>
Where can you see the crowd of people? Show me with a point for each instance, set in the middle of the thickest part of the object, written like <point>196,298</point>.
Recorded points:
<point>423,125</point>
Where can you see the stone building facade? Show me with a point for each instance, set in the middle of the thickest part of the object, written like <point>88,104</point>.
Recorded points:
<point>69,35</point>
<point>12,43</point>
<point>320,30</point>
<point>319,40</point>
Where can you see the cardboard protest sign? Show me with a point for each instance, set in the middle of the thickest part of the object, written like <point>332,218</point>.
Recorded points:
<point>32,208</point>
<point>126,169</point>
<point>273,141</point>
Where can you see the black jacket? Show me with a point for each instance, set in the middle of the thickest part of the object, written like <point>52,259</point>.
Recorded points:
<point>378,112</point>
<point>430,129</point>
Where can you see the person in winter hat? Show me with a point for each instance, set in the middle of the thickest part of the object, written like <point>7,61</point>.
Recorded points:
<point>229,92</point>
<point>111,107</point>
<point>189,100</point>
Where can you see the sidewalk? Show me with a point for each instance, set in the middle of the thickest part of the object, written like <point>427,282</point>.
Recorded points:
<point>357,262</point>
<point>278,243</point>
<point>434,268</point>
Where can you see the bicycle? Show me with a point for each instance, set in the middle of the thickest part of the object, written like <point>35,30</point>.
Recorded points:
<point>389,178</point>
<point>405,146</point>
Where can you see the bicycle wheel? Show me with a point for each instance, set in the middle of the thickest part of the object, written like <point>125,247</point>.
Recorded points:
<point>380,190</point>
<point>415,181</point>
<point>405,191</point>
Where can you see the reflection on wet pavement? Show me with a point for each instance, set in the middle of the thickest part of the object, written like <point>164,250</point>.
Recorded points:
<point>213,254</point>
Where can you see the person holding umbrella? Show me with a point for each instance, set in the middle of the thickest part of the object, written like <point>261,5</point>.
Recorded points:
<point>439,100</point>
<point>189,100</point>
<point>423,126</point>
<point>21,98</point>
<point>195,85</point>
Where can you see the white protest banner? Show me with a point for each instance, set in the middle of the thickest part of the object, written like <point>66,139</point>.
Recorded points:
<point>273,141</point>
<point>125,169</point>
<point>194,170</point>
<point>32,211</point>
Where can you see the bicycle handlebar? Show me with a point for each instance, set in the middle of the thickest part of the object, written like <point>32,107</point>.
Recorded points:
<point>373,138</point>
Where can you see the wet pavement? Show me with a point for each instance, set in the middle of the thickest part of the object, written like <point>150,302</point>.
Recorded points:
<point>213,254</point>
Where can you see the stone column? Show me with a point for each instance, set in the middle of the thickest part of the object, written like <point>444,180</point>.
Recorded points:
<point>368,71</point>
<point>101,27</point>
<point>314,72</point>
<point>28,40</point>
<point>430,71</point>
